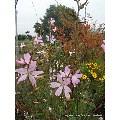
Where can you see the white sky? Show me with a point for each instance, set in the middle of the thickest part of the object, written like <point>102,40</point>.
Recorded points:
<point>27,15</point>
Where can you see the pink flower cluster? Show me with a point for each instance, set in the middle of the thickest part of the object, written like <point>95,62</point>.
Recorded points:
<point>65,78</point>
<point>38,40</point>
<point>29,71</point>
<point>52,23</point>
<point>103,45</point>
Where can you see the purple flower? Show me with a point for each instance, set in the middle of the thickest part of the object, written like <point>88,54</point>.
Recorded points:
<point>75,78</point>
<point>29,71</point>
<point>38,40</point>
<point>62,84</point>
<point>65,78</point>
<point>24,60</point>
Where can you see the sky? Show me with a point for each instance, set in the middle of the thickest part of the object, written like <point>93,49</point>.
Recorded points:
<point>29,12</point>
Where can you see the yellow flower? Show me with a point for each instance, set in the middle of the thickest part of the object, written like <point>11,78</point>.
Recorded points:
<point>95,64</point>
<point>84,77</point>
<point>94,75</point>
<point>91,71</point>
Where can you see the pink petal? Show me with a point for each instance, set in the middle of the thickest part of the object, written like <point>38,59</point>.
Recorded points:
<point>21,70</point>
<point>32,80</point>
<point>52,21</point>
<point>66,81</point>
<point>22,78</point>
<point>104,41</point>
<point>36,73</point>
<point>78,71</point>
<point>78,75</point>
<point>32,66</point>
<point>59,91</point>
<point>67,89</point>
<point>67,95</point>
<point>75,80</point>
<point>103,46</point>
<point>39,38</point>
<point>27,58</point>
<point>62,74</point>
<point>40,41</point>
<point>35,40</point>
<point>67,70</point>
<point>55,29</point>
<point>54,84</point>
<point>21,61</point>
<point>59,78</point>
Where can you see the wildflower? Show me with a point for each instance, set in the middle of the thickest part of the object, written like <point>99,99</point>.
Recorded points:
<point>44,100</point>
<point>30,72</point>
<point>91,71</point>
<point>62,86</point>
<point>52,21</point>
<point>41,52</point>
<point>24,60</point>
<point>103,45</point>
<point>94,75</point>
<point>75,78</point>
<point>51,39</point>
<point>38,40</point>
<point>22,45</point>
<point>50,109</point>
<point>84,77</point>
<point>71,53</point>
<point>54,29</point>
<point>95,64</point>
<point>63,80</point>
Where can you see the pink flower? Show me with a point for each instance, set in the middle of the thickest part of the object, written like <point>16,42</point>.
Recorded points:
<point>29,72</point>
<point>24,60</point>
<point>51,39</point>
<point>38,40</point>
<point>103,45</point>
<point>62,84</point>
<point>75,78</point>
<point>54,29</point>
<point>64,78</point>
<point>52,21</point>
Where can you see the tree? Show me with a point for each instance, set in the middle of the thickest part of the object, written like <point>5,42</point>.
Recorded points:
<point>38,28</point>
<point>22,37</point>
<point>56,12</point>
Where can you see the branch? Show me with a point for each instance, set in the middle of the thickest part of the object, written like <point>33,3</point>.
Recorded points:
<point>82,6</point>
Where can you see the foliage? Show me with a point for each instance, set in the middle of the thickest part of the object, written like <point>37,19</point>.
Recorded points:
<point>38,28</point>
<point>21,37</point>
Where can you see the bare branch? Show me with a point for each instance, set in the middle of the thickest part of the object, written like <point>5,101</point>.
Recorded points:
<point>82,5</point>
